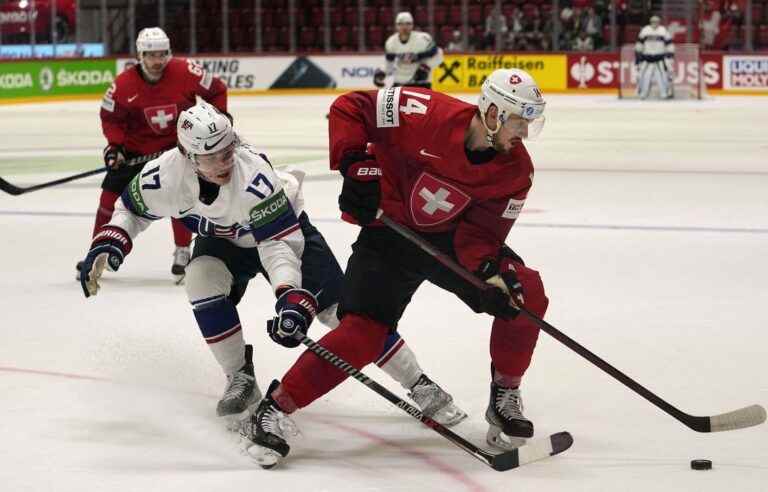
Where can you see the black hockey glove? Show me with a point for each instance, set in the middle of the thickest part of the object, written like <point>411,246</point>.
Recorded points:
<point>361,192</point>
<point>378,77</point>
<point>422,74</point>
<point>108,249</point>
<point>639,58</point>
<point>114,157</point>
<point>500,273</point>
<point>295,308</point>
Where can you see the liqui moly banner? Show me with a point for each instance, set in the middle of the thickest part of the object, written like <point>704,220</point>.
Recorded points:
<point>601,70</point>
<point>745,72</point>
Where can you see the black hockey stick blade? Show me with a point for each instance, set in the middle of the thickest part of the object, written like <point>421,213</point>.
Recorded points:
<point>18,190</point>
<point>736,419</point>
<point>532,451</point>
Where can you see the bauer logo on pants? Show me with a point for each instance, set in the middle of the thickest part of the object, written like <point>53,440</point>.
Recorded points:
<point>162,119</point>
<point>434,201</point>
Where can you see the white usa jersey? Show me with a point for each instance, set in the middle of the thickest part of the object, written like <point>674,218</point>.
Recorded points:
<point>258,208</point>
<point>403,59</point>
<point>654,42</point>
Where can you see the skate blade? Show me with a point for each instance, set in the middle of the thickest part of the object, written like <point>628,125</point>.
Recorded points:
<point>264,457</point>
<point>178,279</point>
<point>499,440</point>
<point>449,415</point>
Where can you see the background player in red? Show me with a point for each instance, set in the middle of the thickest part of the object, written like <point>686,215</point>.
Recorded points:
<point>138,117</point>
<point>458,174</point>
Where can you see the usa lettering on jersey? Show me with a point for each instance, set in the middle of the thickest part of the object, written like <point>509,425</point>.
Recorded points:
<point>387,100</point>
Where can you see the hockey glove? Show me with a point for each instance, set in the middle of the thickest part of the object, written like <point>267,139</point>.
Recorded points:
<point>296,308</point>
<point>114,157</point>
<point>378,77</point>
<point>500,273</point>
<point>639,58</point>
<point>422,74</point>
<point>361,192</point>
<point>108,248</point>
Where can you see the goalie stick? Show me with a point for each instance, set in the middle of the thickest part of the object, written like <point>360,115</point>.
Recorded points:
<point>17,190</point>
<point>737,419</point>
<point>534,450</point>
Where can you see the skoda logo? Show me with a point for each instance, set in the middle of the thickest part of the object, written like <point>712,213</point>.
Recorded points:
<point>46,78</point>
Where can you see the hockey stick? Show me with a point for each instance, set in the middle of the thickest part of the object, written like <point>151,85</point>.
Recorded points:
<point>534,450</point>
<point>17,190</point>
<point>737,419</point>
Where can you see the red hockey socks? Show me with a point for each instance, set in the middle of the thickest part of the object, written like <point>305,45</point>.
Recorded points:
<point>513,341</point>
<point>358,340</point>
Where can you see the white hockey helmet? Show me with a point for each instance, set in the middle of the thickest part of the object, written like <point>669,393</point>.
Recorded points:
<point>203,129</point>
<point>404,18</point>
<point>152,39</point>
<point>513,92</point>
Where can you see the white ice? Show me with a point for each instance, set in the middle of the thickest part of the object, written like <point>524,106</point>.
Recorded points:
<point>647,221</point>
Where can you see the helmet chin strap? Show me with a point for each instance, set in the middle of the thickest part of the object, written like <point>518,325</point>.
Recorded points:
<point>490,135</point>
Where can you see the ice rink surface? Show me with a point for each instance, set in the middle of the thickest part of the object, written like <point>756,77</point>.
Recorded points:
<point>647,221</point>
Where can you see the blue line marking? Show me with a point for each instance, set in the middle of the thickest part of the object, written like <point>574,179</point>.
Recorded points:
<point>607,227</point>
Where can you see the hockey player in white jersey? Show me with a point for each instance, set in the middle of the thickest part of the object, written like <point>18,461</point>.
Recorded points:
<point>654,55</point>
<point>410,56</point>
<point>249,219</point>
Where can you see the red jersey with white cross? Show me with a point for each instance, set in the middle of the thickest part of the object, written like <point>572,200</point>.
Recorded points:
<point>141,116</point>
<point>428,183</point>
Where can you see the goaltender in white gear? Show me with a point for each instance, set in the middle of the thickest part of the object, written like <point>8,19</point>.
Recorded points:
<point>249,219</point>
<point>410,56</point>
<point>654,56</point>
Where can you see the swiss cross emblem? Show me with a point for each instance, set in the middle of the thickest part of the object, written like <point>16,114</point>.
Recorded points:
<point>515,79</point>
<point>162,119</point>
<point>434,201</point>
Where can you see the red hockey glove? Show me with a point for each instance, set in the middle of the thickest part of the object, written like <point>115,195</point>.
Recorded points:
<point>361,192</point>
<point>114,157</point>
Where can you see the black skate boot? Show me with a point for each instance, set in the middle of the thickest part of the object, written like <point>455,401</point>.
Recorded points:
<point>263,436</point>
<point>241,394</point>
<point>508,428</point>
<point>435,402</point>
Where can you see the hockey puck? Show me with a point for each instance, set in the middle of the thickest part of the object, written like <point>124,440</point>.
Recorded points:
<point>701,465</point>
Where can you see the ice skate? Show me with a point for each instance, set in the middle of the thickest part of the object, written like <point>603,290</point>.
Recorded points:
<point>241,395</point>
<point>435,403</point>
<point>181,256</point>
<point>263,436</point>
<point>508,428</point>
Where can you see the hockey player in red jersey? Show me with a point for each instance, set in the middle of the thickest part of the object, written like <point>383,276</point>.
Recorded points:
<point>138,117</point>
<point>458,174</point>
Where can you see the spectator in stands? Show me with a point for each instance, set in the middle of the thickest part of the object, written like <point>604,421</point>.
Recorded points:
<point>583,42</point>
<point>457,42</point>
<point>568,21</point>
<point>592,24</point>
<point>516,37</point>
<point>495,23</point>
<point>709,25</point>
<point>534,33</point>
